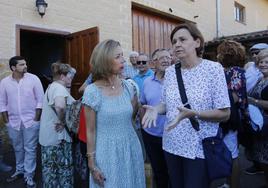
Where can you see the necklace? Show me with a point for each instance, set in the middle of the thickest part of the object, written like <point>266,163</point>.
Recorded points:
<point>112,86</point>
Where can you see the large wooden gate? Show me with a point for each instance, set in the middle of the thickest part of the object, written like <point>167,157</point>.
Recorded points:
<point>151,30</point>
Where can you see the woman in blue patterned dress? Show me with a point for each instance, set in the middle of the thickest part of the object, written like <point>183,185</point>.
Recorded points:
<point>207,93</point>
<point>232,56</point>
<point>113,149</point>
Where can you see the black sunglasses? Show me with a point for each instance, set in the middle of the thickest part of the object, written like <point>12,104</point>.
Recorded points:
<point>256,52</point>
<point>141,62</point>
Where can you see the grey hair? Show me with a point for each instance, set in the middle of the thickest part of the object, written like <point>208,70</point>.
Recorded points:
<point>133,53</point>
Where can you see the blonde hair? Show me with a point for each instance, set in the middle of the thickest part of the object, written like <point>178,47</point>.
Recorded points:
<point>102,58</point>
<point>59,68</point>
<point>263,54</point>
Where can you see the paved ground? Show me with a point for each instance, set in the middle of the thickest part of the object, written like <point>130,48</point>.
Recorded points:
<point>245,180</point>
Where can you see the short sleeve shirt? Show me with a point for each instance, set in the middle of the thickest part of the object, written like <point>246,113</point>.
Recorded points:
<point>206,89</point>
<point>47,135</point>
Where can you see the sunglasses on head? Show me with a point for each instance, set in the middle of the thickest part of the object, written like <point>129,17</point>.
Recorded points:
<point>141,62</point>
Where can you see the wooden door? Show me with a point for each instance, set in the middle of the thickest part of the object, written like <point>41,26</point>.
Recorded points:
<point>79,47</point>
<point>151,30</point>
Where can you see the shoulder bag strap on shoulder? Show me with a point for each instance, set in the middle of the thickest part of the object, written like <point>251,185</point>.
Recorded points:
<point>183,95</point>
<point>65,125</point>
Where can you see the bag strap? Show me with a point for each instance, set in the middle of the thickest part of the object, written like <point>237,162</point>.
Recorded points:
<point>54,110</point>
<point>183,95</point>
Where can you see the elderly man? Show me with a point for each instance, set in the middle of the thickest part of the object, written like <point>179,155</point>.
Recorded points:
<point>144,70</point>
<point>130,71</point>
<point>21,97</point>
<point>152,137</point>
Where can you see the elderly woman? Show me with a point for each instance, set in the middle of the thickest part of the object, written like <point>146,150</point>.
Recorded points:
<point>258,96</point>
<point>207,94</point>
<point>113,149</point>
<point>232,56</point>
<point>56,144</point>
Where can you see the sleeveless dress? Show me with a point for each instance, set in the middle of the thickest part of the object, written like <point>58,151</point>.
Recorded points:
<point>118,150</point>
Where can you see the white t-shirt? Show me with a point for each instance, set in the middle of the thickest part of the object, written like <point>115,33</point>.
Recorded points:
<point>48,135</point>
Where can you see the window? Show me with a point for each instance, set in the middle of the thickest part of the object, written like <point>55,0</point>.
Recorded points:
<point>239,13</point>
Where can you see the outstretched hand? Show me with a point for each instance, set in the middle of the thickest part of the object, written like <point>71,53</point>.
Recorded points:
<point>183,113</point>
<point>149,117</point>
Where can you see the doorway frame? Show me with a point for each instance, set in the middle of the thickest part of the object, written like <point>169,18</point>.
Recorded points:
<point>19,28</point>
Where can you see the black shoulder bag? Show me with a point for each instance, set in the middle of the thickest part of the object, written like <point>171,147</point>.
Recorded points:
<point>217,156</point>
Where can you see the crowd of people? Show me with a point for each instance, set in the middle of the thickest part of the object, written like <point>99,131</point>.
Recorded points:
<point>133,112</point>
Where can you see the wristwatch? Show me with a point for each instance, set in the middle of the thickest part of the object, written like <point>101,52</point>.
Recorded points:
<point>197,116</point>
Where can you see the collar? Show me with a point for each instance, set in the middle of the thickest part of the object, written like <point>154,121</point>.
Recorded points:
<point>146,74</point>
<point>13,79</point>
<point>154,78</point>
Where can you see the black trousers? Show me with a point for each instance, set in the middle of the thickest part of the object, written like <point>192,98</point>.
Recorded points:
<point>186,173</point>
<point>153,147</point>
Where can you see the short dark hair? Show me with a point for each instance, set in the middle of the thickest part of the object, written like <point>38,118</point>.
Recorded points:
<point>195,33</point>
<point>13,61</point>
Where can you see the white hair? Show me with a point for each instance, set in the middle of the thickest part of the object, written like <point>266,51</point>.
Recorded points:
<point>133,53</point>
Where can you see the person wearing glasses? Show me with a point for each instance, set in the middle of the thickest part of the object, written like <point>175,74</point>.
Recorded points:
<point>207,93</point>
<point>152,137</point>
<point>144,71</point>
<point>252,72</point>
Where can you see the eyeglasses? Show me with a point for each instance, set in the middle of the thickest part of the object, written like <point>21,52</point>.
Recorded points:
<point>164,58</point>
<point>256,52</point>
<point>141,62</point>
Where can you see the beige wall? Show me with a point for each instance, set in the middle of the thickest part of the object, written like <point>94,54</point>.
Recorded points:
<point>256,17</point>
<point>113,17</point>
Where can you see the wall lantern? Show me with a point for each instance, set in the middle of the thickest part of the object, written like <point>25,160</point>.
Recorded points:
<point>41,7</point>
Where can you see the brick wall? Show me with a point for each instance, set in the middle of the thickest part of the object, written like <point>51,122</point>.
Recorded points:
<point>113,17</point>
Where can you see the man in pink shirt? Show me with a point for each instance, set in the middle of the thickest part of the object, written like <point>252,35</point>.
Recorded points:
<point>21,97</point>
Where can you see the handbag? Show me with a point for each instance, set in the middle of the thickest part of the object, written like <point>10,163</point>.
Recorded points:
<point>218,157</point>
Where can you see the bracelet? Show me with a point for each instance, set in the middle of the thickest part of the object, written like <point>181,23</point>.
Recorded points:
<point>91,154</point>
<point>94,169</point>
<point>256,101</point>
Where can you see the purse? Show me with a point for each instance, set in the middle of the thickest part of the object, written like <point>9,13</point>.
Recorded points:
<point>218,157</point>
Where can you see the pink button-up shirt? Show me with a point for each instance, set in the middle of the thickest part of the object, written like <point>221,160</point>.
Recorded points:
<point>20,99</point>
